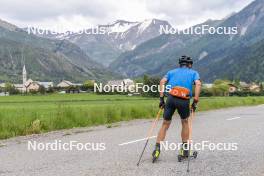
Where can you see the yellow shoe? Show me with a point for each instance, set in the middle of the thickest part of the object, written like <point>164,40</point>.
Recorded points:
<point>155,155</point>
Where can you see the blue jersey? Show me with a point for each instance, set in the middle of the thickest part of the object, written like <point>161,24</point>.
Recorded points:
<point>183,77</point>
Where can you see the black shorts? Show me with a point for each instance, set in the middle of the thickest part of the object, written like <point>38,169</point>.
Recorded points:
<point>173,103</point>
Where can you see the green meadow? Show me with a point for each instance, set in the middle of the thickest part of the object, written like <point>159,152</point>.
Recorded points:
<point>23,115</point>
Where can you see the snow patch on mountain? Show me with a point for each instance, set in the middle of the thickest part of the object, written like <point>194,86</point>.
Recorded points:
<point>249,22</point>
<point>120,26</point>
<point>133,47</point>
<point>144,25</point>
<point>202,55</point>
<point>243,30</point>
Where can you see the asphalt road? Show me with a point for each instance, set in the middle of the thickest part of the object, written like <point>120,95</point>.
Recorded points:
<point>244,126</point>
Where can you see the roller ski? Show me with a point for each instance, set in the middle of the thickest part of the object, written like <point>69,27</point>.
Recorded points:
<point>186,154</point>
<point>155,154</point>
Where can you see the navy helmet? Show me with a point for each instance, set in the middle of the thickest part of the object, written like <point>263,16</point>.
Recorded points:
<point>185,60</point>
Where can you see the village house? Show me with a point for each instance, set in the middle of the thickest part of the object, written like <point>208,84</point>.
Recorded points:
<point>116,83</point>
<point>66,84</point>
<point>208,86</point>
<point>19,87</point>
<point>254,87</point>
<point>46,85</point>
<point>245,86</point>
<point>128,82</point>
<point>2,85</point>
<point>124,83</point>
<point>232,88</point>
<point>33,86</point>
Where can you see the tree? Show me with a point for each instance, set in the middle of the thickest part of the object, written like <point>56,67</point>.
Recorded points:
<point>139,80</point>
<point>151,81</point>
<point>88,85</point>
<point>261,87</point>
<point>42,89</point>
<point>11,89</point>
<point>206,92</point>
<point>237,82</point>
<point>145,78</point>
<point>221,87</point>
<point>51,90</point>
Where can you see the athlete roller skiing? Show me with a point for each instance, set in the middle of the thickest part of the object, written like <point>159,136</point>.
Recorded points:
<point>180,82</point>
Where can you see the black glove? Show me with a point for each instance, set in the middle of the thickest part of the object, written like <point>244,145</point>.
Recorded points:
<point>194,105</point>
<point>162,103</point>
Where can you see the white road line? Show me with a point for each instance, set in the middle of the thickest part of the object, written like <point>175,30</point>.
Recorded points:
<point>234,118</point>
<point>138,140</point>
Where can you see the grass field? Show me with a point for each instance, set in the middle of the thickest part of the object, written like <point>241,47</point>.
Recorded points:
<point>22,115</point>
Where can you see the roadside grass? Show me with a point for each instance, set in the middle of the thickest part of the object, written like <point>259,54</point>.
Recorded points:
<point>23,115</point>
<point>226,102</point>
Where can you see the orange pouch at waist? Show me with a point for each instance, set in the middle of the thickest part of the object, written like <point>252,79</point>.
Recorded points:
<point>180,92</point>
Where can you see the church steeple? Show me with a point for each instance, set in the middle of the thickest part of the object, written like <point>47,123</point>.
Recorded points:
<point>24,75</point>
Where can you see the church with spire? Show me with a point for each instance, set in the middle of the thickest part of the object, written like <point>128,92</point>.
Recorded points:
<point>26,82</point>
<point>30,85</point>
<point>24,75</point>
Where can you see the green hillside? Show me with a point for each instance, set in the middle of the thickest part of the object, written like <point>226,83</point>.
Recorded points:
<point>45,59</point>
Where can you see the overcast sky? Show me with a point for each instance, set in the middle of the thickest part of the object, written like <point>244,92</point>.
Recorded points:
<point>72,14</point>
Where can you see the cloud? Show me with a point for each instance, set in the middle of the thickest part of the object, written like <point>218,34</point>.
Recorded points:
<point>191,12</point>
<point>72,13</point>
<point>31,10</point>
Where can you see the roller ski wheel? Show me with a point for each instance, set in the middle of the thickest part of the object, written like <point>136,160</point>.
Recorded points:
<point>195,154</point>
<point>155,155</point>
<point>180,158</point>
<point>182,155</point>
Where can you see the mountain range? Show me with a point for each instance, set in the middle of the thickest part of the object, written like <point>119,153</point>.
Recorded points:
<point>215,56</point>
<point>132,49</point>
<point>118,37</point>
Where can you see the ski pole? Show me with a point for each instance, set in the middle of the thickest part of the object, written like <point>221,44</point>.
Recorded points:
<point>190,136</point>
<point>190,125</point>
<point>149,134</point>
<point>189,158</point>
